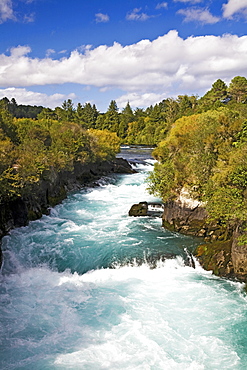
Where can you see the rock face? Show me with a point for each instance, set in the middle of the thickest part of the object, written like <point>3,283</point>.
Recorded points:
<point>187,220</point>
<point>51,190</point>
<point>239,258</point>
<point>140,209</point>
<point>220,251</point>
<point>216,256</point>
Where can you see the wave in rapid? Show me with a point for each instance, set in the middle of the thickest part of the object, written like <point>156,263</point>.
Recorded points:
<point>129,317</point>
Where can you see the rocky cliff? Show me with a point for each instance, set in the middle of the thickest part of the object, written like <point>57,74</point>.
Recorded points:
<point>220,250</point>
<point>51,190</point>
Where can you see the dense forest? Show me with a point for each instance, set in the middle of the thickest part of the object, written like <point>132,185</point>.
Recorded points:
<point>20,110</point>
<point>29,148</point>
<point>201,143</point>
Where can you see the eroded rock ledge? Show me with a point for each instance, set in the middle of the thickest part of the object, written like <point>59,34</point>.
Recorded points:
<point>220,251</point>
<point>52,189</point>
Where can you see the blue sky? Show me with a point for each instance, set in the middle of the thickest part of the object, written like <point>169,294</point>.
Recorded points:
<point>134,50</point>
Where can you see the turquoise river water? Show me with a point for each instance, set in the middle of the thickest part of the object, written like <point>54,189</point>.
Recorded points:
<point>89,287</point>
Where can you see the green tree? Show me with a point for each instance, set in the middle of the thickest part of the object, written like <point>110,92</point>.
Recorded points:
<point>196,145</point>
<point>48,114</point>
<point>68,110</point>
<point>126,117</point>
<point>104,144</point>
<point>111,118</point>
<point>87,115</point>
<point>238,89</point>
<point>215,97</point>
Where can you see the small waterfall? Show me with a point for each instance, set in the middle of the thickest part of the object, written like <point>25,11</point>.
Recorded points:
<point>190,259</point>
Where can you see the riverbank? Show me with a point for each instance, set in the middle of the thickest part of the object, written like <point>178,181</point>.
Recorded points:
<point>52,189</point>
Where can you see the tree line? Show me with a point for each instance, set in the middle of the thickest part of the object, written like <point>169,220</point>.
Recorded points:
<point>140,126</point>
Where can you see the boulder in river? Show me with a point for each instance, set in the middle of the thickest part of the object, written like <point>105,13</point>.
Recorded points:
<point>140,209</point>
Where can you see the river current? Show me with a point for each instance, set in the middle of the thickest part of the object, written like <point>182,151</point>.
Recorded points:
<point>89,287</point>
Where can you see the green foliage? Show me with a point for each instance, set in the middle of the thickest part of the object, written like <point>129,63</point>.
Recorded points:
<point>215,97</point>
<point>205,153</point>
<point>238,89</point>
<point>20,111</point>
<point>111,118</point>
<point>29,148</point>
<point>68,111</point>
<point>87,115</point>
<point>104,144</point>
<point>6,123</point>
<point>162,180</point>
<point>11,184</point>
<point>126,117</point>
<point>47,114</point>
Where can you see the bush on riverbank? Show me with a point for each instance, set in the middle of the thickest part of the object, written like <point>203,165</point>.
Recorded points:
<point>29,148</point>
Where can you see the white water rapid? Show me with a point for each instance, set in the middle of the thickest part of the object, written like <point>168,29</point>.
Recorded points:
<point>91,288</point>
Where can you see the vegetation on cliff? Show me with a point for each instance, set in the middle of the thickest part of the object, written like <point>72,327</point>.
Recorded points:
<point>205,153</point>
<point>29,148</point>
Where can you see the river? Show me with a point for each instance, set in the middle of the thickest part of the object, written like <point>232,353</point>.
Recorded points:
<point>89,287</point>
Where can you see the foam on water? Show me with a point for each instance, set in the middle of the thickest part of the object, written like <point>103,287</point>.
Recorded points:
<point>90,288</point>
<point>130,317</point>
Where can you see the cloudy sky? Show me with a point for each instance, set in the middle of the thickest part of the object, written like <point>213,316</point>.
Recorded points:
<point>140,51</point>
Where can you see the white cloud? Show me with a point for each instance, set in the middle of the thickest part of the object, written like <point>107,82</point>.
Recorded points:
<point>24,96</point>
<point>162,5</point>
<point>101,18</point>
<point>139,100</point>
<point>234,6</point>
<point>19,51</point>
<point>198,15</point>
<point>6,11</point>
<point>29,18</point>
<point>188,1</point>
<point>49,52</point>
<point>167,65</point>
<point>135,15</point>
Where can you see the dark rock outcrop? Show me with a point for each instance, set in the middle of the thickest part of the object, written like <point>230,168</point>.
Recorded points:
<point>216,256</point>
<point>221,251</point>
<point>153,209</point>
<point>140,209</point>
